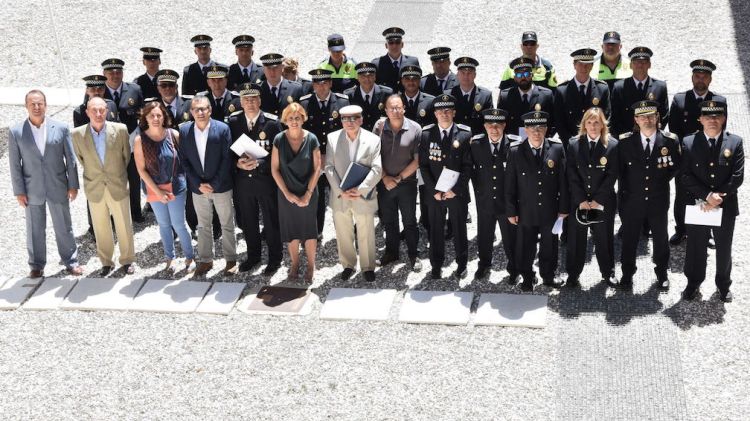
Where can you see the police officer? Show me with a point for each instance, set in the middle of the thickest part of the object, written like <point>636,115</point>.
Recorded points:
<point>611,65</point>
<point>343,73</point>
<point>223,101</point>
<point>683,121</point>
<point>418,105</point>
<point>471,99</point>
<point>290,72</point>
<point>574,97</point>
<point>245,70</point>
<point>129,100</point>
<point>542,72</point>
<point>649,158</point>
<point>442,78</point>
<point>147,81</point>
<point>254,186</point>
<point>94,88</point>
<point>178,107</point>
<point>592,172</point>
<point>275,91</point>
<point>368,95</point>
<point>445,145</point>
<point>635,89</point>
<point>322,109</point>
<point>389,65</point>
<point>524,97</point>
<point>712,171</point>
<point>194,75</point>
<point>536,195</point>
<point>489,155</point>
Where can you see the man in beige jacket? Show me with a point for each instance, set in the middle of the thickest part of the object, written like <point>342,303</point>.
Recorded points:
<point>356,206</point>
<point>103,151</point>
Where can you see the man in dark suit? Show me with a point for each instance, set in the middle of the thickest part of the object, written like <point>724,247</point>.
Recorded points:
<point>194,75</point>
<point>442,78</point>
<point>129,100</point>
<point>445,145</point>
<point>94,88</point>
<point>322,109</point>
<point>526,96</point>
<point>389,65</point>
<point>536,195</point>
<point>712,171</point>
<point>245,70</point>
<point>166,83</point>
<point>147,81</point>
<point>489,155</point>
<point>649,158</point>
<point>574,97</point>
<point>276,92</point>
<point>206,158</point>
<point>683,121</point>
<point>417,104</point>
<point>471,99</point>
<point>44,174</point>
<point>223,101</point>
<point>634,89</point>
<point>368,95</point>
<point>254,187</point>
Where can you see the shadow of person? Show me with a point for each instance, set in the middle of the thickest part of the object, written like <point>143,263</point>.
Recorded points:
<point>699,312</point>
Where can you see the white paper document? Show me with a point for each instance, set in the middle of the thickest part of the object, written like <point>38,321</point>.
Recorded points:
<point>694,215</point>
<point>448,179</point>
<point>245,145</point>
<point>557,228</point>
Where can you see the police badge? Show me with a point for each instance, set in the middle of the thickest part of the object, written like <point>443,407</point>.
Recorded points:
<point>289,99</point>
<point>595,101</point>
<point>537,107</point>
<point>335,114</point>
<point>456,144</point>
<point>478,107</point>
<point>262,135</point>
<point>185,116</point>
<point>231,108</point>
<point>727,153</point>
<point>380,106</point>
<point>551,163</point>
<point>422,113</point>
<point>131,101</point>
<point>664,151</point>
<point>651,96</point>
<point>603,160</point>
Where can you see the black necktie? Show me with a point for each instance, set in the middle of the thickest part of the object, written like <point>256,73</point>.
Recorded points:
<point>712,141</point>
<point>592,145</point>
<point>466,98</point>
<point>117,98</point>
<point>582,88</point>
<point>205,70</point>
<point>647,152</point>
<point>440,84</point>
<point>169,108</point>
<point>323,105</point>
<point>526,100</point>
<point>640,86</point>
<point>273,92</point>
<point>538,155</point>
<point>395,65</point>
<point>245,74</point>
<point>411,103</point>
<point>495,148</point>
<point>367,99</point>
<point>445,136</point>
<point>153,80</point>
<point>218,103</point>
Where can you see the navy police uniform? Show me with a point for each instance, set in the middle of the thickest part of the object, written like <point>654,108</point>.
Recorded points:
<point>388,73</point>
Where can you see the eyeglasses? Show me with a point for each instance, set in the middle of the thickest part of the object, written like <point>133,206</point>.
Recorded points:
<point>523,74</point>
<point>350,119</point>
<point>395,109</point>
<point>199,110</point>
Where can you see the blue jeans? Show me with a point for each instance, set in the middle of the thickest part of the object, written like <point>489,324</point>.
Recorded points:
<point>172,216</point>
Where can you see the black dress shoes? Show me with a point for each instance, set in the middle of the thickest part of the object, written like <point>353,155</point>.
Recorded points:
<point>461,272</point>
<point>527,285</point>
<point>248,264</point>
<point>436,274</point>
<point>386,260</point>
<point>270,268</point>
<point>512,278</point>
<point>369,276</point>
<point>346,274</point>
<point>550,282</point>
<point>482,272</point>
<point>626,282</point>
<point>662,282</point>
<point>726,296</point>
<point>677,238</point>
<point>416,264</point>
<point>572,282</point>
<point>690,293</point>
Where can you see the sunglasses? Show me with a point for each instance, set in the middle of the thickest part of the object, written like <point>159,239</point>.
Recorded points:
<point>523,74</point>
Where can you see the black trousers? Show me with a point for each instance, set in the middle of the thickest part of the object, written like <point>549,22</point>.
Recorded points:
<point>528,236</point>
<point>134,185</point>
<point>323,191</point>
<point>604,244</point>
<point>679,208</point>
<point>402,198</point>
<point>457,209</point>
<point>249,209</point>
<point>486,236</point>
<point>657,219</point>
<point>696,254</point>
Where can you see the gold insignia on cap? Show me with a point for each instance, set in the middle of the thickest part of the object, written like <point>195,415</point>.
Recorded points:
<point>727,153</point>
<point>380,106</point>
<point>466,60</point>
<point>551,163</point>
<point>456,144</point>
<point>231,108</point>
<point>537,115</point>
<point>477,106</point>
<point>651,96</point>
<point>664,151</point>
<point>131,101</point>
<point>603,160</point>
<point>335,114</point>
<point>700,62</point>
<point>262,135</point>
<point>185,115</point>
<point>495,112</point>
<point>595,101</point>
<point>289,99</point>
<point>422,112</point>
<point>538,107</point>
<point>611,34</point>
<point>711,104</point>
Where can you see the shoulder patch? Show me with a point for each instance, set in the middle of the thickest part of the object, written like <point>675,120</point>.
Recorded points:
<point>514,137</point>
<point>476,138</point>
<point>204,93</point>
<point>270,116</point>
<point>554,140</point>
<point>669,134</point>
<point>625,135</point>
<point>600,82</point>
<point>187,97</point>
<point>236,113</point>
<point>340,95</point>
<point>428,127</point>
<point>234,94</point>
<point>463,127</point>
<point>304,97</point>
<point>516,143</point>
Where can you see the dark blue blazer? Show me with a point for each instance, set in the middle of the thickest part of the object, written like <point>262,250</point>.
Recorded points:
<point>218,160</point>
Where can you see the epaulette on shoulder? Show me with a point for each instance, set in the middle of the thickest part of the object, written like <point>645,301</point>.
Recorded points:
<point>554,140</point>
<point>625,135</point>
<point>514,137</point>
<point>516,143</point>
<point>669,134</point>
<point>600,82</point>
<point>477,137</point>
<point>270,116</point>
<point>201,93</point>
<point>428,127</point>
<point>340,95</point>
<point>187,97</point>
<point>304,97</point>
<point>236,113</point>
<point>463,127</point>
<point>234,94</point>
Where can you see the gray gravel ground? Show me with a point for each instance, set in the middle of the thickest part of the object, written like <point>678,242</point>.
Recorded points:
<point>603,355</point>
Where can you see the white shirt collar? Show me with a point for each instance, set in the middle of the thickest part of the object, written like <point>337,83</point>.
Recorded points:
<point>254,120</point>
<point>578,84</point>
<point>367,93</point>
<point>640,81</point>
<point>327,99</point>
<point>467,93</point>
<point>593,140</point>
<point>697,95</point>
<point>210,63</point>
<point>413,98</point>
<point>449,129</point>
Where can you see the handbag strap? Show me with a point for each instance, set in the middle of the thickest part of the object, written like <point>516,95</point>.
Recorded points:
<point>174,154</point>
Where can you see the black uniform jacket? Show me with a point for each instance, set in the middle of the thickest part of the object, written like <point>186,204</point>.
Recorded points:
<point>592,176</point>
<point>625,93</point>
<point>258,181</point>
<point>322,122</point>
<point>429,84</point>
<point>645,183</point>
<point>570,105</point>
<point>469,112</point>
<point>488,172</point>
<point>375,109</point>
<point>511,101</point>
<point>434,155</point>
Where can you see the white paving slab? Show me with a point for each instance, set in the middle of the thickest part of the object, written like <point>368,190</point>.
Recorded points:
<point>358,304</point>
<point>436,307</point>
<point>221,298</point>
<point>15,292</point>
<point>102,294</point>
<point>170,296</point>
<point>50,294</point>
<point>301,306</point>
<point>520,310</point>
